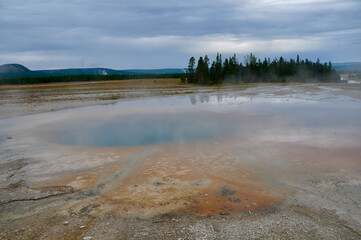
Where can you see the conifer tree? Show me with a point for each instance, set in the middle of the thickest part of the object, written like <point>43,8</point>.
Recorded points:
<point>191,64</point>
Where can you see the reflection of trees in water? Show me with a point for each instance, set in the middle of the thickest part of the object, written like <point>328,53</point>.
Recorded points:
<point>231,98</point>
<point>204,98</point>
<point>219,97</point>
<point>193,99</point>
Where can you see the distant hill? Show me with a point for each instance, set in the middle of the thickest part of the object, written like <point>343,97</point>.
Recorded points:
<point>349,66</point>
<point>79,71</point>
<point>13,68</point>
<point>154,71</point>
<point>8,71</point>
<point>107,71</point>
<point>13,71</point>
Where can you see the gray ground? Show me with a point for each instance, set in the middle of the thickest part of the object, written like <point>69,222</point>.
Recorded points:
<point>323,210</point>
<point>323,205</point>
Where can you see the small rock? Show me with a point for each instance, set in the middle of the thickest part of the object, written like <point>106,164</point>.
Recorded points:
<point>107,223</point>
<point>66,223</point>
<point>87,238</point>
<point>224,213</point>
<point>82,227</point>
<point>249,212</point>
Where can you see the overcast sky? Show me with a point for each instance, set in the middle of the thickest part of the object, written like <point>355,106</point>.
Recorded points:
<point>48,34</point>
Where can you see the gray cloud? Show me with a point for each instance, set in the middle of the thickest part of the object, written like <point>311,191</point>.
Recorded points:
<point>150,34</point>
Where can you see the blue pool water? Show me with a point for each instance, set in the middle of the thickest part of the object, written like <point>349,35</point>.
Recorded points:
<point>182,119</point>
<point>144,129</point>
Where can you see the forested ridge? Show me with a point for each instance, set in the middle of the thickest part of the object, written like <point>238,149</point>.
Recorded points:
<point>257,70</point>
<point>87,77</point>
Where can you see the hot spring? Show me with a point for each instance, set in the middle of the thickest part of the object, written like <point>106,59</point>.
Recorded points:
<point>144,129</point>
<point>182,119</point>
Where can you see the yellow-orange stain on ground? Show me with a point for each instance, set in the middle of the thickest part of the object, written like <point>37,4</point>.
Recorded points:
<point>192,178</point>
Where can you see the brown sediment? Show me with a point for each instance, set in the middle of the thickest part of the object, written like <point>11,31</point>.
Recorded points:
<point>101,162</point>
<point>200,178</point>
<point>229,199</point>
<point>83,180</point>
<point>95,83</point>
<point>188,179</point>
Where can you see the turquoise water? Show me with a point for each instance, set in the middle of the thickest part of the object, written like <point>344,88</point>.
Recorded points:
<point>144,129</point>
<point>188,118</point>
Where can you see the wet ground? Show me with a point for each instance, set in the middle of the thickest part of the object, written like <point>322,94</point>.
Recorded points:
<point>181,162</point>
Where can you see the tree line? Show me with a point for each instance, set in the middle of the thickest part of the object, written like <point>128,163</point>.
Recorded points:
<point>256,70</point>
<point>217,72</point>
<point>87,77</point>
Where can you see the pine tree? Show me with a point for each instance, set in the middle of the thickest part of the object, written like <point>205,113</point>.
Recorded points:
<point>199,71</point>
<point>191,64</point>
<point>206,77</point>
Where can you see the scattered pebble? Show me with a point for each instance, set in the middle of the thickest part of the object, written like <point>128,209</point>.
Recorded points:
<point>82,227</point>
<point>224,213</point>
<point>66,223</point>
<point>87,238</point>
